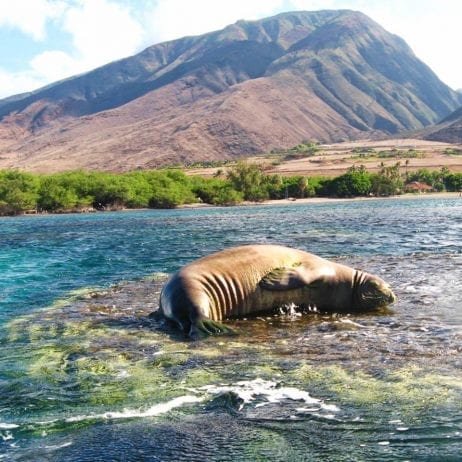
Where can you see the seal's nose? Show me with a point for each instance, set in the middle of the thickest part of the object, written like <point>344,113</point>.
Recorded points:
<point>391,297</point>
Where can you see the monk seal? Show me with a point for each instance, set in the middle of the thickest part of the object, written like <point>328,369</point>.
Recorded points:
<point>250,279</point>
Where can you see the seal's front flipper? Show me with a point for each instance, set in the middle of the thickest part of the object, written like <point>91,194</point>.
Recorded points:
<point>206,327</point>
<point>285,278</point>
<point>294,277</point>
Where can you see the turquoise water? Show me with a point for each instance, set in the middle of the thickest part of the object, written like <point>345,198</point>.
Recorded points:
<point>85,374</point>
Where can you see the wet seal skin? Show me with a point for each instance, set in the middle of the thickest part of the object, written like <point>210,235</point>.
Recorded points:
<point>247,280</point>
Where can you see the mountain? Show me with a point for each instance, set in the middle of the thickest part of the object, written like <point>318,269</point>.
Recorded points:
<point>449,130</point>
<point>253,86</point>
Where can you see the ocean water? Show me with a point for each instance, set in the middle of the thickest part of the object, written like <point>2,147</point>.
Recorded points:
<point>86,375</point>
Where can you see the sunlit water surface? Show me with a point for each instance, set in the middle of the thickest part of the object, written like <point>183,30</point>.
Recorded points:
<point>86,375</point>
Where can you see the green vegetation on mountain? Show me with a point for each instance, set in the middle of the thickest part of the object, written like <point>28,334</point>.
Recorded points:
<point>84,191</point>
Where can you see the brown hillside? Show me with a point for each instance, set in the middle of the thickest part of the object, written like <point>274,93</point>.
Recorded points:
<point>448,130</point>
<point>249,88</point>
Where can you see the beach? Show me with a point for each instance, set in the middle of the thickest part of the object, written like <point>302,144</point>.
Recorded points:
<point>324,200</point>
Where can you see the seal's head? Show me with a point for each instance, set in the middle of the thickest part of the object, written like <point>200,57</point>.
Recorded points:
<point>371,292</point>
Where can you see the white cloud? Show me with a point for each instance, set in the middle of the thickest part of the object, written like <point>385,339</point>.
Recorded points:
<point>102,31</point>
<point>13,83</point>
<point>30,17</point>
<point>53,65</point>
<point>44,68</point>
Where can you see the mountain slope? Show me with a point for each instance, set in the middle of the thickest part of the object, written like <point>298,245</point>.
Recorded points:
<point>449,130</point>
<point>251,87</point>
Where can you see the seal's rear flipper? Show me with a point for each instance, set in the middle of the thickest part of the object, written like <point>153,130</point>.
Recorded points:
<point>205,327</point>
<point>156,315</point>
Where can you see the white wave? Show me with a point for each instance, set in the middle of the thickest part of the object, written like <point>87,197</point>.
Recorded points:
<point>6,436</point>
<point>248,391</point>
<point>7,426</point>
<point>155,410</point>
<point>349,321</point>
<point>59,446</point>
<point>410,289</point>
<point>290,311</point>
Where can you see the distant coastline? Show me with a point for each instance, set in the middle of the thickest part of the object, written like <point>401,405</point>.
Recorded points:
<point>329,200</point>
<point>269,202</point>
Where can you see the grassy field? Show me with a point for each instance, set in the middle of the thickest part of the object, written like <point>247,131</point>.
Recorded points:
<point>335,159</point>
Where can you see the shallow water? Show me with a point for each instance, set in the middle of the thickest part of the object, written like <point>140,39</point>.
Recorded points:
<point>86,375</point>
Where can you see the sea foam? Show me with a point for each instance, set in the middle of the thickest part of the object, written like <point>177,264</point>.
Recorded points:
<point>270,392</point>
<point>153,411</point>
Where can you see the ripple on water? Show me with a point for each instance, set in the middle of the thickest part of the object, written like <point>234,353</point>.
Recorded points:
<point>87,375</point>
<point>99,349</point>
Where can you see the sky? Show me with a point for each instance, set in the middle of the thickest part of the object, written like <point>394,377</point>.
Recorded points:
<point>42,41</point>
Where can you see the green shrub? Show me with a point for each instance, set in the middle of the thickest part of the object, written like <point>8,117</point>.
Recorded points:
<point>18,192</point>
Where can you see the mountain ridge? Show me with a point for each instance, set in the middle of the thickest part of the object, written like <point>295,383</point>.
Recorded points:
<point>250,87</point>
<point>449,130</point>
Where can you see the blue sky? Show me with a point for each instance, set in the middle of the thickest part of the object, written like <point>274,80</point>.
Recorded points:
<point>42,41</point>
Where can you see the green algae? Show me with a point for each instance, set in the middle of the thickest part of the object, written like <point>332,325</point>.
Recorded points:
<point>412,388</point>
<point>199,377</point>
<point>117,366</point>
<point>49,363</point>
<point>98,354</point>
<point>103,365</point>
<point>266,371</point>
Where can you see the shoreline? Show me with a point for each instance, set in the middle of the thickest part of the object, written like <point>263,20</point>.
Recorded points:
<point>269,202</point>
<point>326,200</point>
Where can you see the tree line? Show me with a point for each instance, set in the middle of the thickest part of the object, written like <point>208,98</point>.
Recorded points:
<point>80,190</point>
